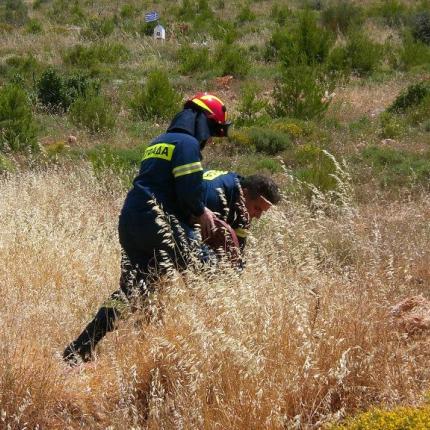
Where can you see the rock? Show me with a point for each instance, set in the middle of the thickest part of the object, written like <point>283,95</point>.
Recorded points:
<point>224,81</point>
<point>72,140</point>
<point>412,314</point>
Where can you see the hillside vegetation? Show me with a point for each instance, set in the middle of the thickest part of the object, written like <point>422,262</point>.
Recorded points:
<point>332,98</point>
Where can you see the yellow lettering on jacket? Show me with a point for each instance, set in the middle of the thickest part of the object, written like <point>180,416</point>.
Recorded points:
<point>159,150</point>
<point>212,174</point>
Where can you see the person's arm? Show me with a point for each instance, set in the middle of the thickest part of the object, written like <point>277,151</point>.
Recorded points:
<point>188,173</point>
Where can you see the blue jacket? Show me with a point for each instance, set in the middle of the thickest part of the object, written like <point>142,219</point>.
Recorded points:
<point>222,194</point>
<point>171,170</point>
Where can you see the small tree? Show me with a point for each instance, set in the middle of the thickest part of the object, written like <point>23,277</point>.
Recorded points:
<point>300,93</point>
<point>156,99</point>
<point>17,128</point>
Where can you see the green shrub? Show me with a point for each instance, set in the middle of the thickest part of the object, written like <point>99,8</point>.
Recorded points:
<point>364,54</point>
<point>6,165</point>
<point>122,163</point>
<point>315,167</point>
<point>34,27</point>
<point>245,15</point>
<point>268,141</point>
<point>341,16</point>
<point>88,56</point>
<point>232,60</point>
<point>421,114</point>
<point>24,67</point>
<point>421,27</point>
<point>400,168</point>
<point>156,99</point>
<point>14,12</point>
<point>305,43</point>
<point>392,126</point>
<point>300,93</point>
<point>99,28</point>
<point>66,12</point>
<point>280,13</point>
<point>93,112</point>
<point>259,139</point>
<point>58,92</point>
<point>194,59</point>
<point>413,53</point>
<point>251,106</point>
<point>17,127</point>
<point>393,12</point>
<point>128,11</point>
<point>411,97</point>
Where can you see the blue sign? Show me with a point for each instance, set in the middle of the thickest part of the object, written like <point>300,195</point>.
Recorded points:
<point>151,16</point>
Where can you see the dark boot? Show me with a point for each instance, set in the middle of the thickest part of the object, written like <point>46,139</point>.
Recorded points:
<point>82,348</point>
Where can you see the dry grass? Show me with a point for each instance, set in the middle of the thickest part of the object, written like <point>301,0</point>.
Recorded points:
<point>300,338</point>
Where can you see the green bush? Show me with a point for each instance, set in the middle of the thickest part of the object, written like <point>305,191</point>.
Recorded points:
<point>268,141</point>
<point>341,16</point>
<point>88,56</point>
<point>34,27</point>
<point>232,60</point>
<point>413,53</point>
<point>93,112</point>
<point>245,15</point>
<point>364,54</point>
<point>156,99</point>
<point>315,167</point>
<point>66,12</point>
<point>421,27</point>
<point>251,106</point>
<point>123,163</point>
<point>411,97</point>
<point>259,139</point>
<point>280,13</point>
<point>14,12</point>
<point>300,93</point>
<point>305,43</point>
<point>360,56</point>
<point>421,114</point>
<point>17,127</point>
<point>393,12</point>
<point>98,28</point>
<point>58,92</point>
<point>24,67</point>
<point>392,126</point>
<point>6,165</point>
<point>194,59</point>
<point>128,11</point>
<point>400,168</point>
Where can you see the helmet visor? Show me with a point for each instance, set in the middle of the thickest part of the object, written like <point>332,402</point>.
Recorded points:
<point>219,130</point>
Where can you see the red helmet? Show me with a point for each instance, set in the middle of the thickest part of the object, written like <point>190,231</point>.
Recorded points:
<point>214,110</point>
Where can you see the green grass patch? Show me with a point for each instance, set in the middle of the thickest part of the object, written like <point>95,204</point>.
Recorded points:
<point>398,168</point>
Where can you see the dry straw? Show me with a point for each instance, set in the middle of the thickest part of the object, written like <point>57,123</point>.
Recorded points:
<point>300,338</point>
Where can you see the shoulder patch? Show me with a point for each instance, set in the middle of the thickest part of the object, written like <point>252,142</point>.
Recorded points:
<point>159,150</point>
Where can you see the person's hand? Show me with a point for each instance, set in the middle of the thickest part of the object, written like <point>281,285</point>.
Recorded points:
<point>206,221</point>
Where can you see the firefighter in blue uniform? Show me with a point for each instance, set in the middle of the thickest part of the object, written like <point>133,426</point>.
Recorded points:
<point>238,200</point>
<point>167,190</point>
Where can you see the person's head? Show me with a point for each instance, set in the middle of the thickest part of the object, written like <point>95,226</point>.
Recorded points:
<point>260,193</point>
<point>214,110</point>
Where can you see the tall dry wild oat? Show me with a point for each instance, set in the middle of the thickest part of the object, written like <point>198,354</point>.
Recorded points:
<point>300,338</point>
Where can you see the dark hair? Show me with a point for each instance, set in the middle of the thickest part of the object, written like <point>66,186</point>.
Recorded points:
<point>259,185</point>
